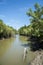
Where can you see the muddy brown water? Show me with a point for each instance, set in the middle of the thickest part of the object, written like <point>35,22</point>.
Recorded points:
<point>11,51</point>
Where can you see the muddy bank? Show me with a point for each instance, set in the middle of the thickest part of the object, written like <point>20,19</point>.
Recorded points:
<point>38,60</point>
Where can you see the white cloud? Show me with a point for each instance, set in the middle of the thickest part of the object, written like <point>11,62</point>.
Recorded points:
<point>12,20</point>
<point>15,23</point>
<point>2,16</point>
<point>23,9</point>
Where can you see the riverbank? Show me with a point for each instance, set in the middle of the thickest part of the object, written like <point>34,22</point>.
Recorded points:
<point>24,35</point>
<point>38,60</point>
<point>7,37</point>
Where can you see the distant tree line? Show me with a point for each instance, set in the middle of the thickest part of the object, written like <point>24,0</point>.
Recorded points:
<point>35,29</point>
<point>25,30</point>
<point>6,31</point>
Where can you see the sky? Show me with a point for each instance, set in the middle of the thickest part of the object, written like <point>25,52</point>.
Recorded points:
<point>13,12</point>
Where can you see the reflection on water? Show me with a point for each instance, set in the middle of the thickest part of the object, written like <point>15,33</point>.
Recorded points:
<point>23,39</point>
<point>11,51</point>
<point>4,45</point>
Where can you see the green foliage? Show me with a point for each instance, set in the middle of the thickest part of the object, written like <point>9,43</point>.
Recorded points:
<point>37,20</point>
<point>37,26</point>
<point>6,31</point>
<point>35,29</point>
<point>25,30</point>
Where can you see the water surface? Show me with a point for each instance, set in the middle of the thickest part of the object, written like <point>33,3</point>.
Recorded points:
<point>11,51</point>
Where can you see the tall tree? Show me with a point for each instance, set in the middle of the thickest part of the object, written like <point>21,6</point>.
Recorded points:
<point>36,25</point>
<point>36,19</point>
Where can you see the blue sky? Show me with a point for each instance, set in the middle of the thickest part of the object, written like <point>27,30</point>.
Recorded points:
<point>13,12</point>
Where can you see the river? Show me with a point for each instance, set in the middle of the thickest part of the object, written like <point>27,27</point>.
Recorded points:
<point>11,51</point>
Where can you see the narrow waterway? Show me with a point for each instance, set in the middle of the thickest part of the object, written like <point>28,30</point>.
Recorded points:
<point>11,51</point>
